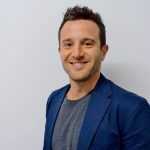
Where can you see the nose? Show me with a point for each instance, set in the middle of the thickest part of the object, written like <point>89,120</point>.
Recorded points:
<point>77,52</point>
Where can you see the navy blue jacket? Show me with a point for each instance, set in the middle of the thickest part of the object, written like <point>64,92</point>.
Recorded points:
<point>116,119</point>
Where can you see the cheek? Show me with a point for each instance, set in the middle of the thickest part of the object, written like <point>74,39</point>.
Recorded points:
<point>95,55</point>
<point>64,56</point>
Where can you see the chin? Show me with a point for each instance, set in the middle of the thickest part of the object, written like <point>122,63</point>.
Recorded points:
<point>79,78</point>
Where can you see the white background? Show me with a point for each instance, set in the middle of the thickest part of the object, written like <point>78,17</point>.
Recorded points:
<point>30,67</point>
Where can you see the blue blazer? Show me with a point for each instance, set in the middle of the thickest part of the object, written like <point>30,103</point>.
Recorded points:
<point>116,119</point>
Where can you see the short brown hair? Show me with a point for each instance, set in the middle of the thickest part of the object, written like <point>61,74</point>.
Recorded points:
<point>77,12</point>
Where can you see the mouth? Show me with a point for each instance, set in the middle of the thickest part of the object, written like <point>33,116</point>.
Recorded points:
<point>78,65</point>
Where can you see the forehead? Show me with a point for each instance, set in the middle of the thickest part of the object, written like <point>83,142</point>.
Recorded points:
<point>77,29</point>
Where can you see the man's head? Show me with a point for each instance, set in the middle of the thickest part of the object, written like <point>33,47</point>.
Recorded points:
<point>78,13</point>
<point>82,43</point>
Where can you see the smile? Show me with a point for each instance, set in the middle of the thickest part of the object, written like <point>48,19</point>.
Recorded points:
<point>78,65</point>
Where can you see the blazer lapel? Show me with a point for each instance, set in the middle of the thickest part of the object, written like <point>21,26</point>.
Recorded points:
<point>56,104</point>
<point>100,100</point>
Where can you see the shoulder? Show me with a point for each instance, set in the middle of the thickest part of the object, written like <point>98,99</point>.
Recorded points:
<point>56,93</point>
<point>124,97</point>
<point>129,106</point>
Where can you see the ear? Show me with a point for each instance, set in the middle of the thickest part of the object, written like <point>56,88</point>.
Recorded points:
<point>104,50</point>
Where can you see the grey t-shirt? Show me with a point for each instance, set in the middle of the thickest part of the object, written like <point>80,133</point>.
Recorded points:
<point>68,124</point>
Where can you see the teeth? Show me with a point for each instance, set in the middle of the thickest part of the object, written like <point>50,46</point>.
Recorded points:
<point>78,65</point>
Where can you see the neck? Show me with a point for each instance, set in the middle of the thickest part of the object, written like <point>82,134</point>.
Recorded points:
<point>82,88</point>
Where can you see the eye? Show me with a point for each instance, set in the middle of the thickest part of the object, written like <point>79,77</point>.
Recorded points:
<point>67,45</point>
<point>88,44</point>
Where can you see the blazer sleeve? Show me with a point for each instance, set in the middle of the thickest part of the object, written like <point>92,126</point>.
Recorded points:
<point>46,128</point>
<point>136,132</point>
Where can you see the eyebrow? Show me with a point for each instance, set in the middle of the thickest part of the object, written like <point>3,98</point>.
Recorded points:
<point>67,40</point>
<point>82,40</point>
<point>88,39</point>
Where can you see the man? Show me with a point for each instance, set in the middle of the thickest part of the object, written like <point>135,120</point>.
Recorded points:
<point>92,113</point>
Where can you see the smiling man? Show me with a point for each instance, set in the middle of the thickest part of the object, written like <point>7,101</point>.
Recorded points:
<point>81,53</point>
<point>91,112</point>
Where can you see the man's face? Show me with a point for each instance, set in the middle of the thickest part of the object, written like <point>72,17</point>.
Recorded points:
<point>80,49</point>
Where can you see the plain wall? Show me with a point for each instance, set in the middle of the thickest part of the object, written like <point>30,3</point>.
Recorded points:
<point>30,67</point>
